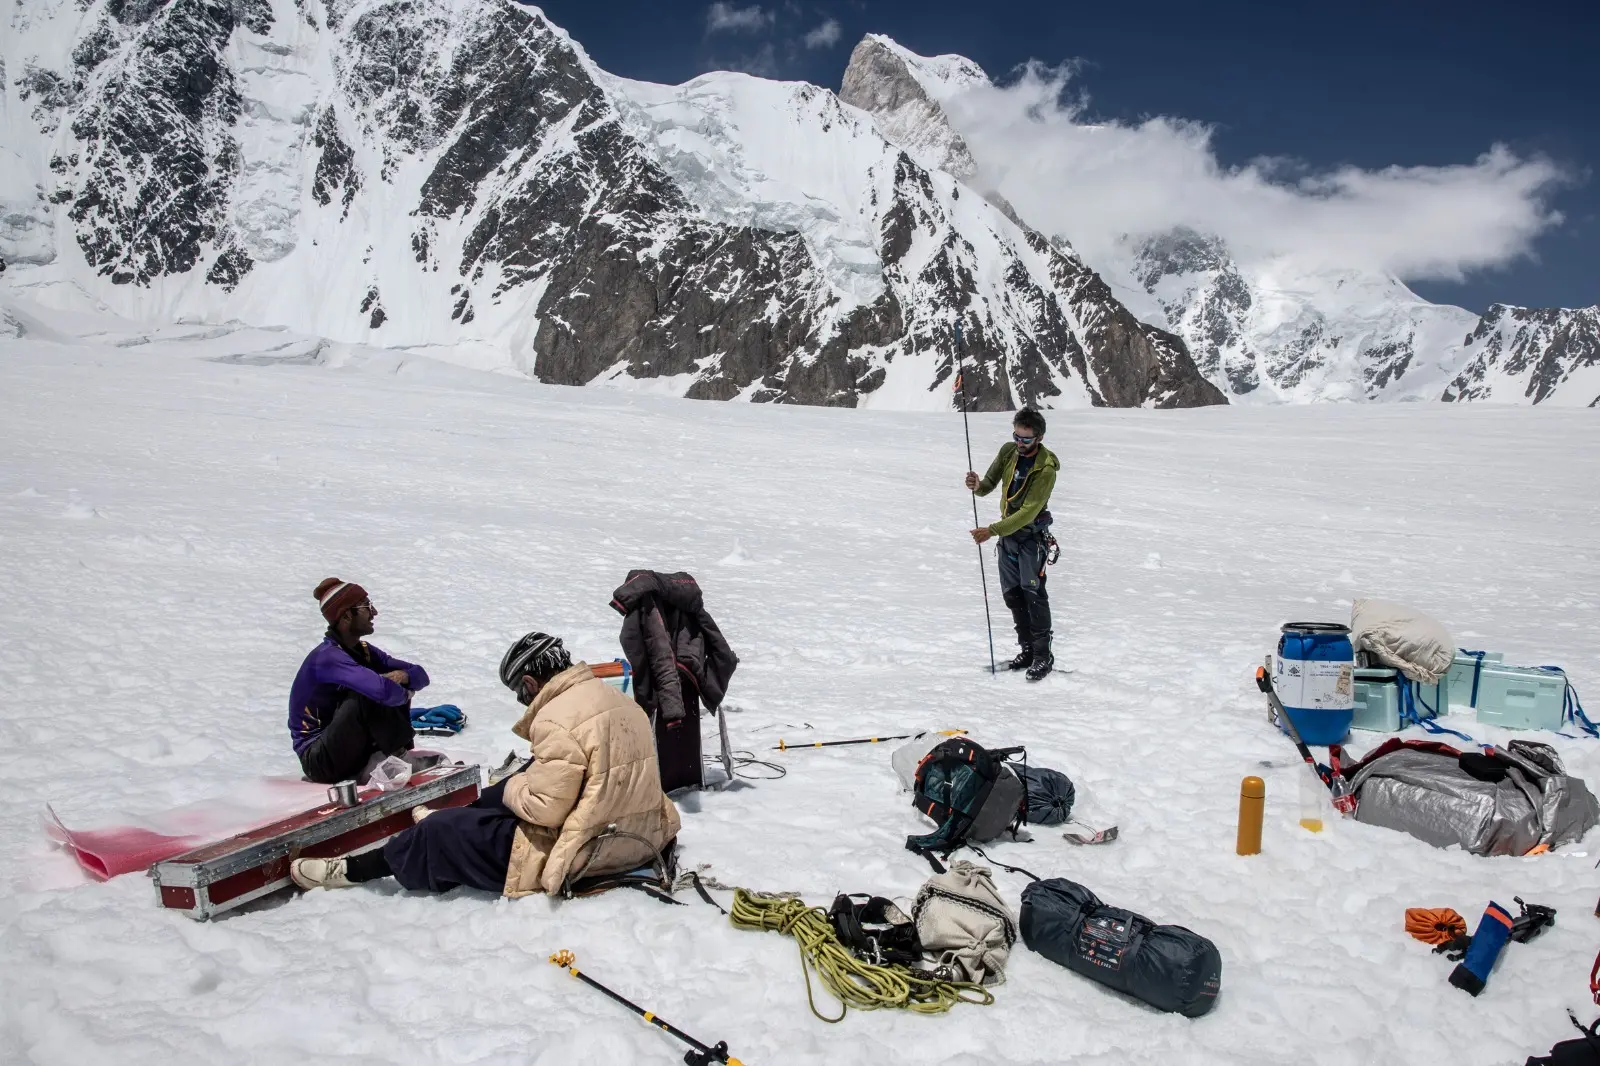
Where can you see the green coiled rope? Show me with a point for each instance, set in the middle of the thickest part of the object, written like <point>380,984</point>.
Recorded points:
<point>851,981</point>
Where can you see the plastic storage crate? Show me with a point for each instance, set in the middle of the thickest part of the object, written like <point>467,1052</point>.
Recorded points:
<point>1376,701</point>
<point>1381,699</point>
<point>1522,697</point>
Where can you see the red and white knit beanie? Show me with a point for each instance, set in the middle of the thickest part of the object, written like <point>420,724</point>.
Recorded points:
<point>337,597</point>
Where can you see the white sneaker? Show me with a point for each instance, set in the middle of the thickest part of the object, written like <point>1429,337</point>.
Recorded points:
<point>319,873</point>
<point>419,813</point>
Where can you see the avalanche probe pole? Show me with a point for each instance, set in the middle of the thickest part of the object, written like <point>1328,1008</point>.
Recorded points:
<point>865,740</point>
<point>700,1056</point>
<point>983,573</point>
<point>1344,801</point>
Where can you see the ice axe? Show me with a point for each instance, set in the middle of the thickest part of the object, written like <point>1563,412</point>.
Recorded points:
<point>782,746</point>
<point>700,1055</point>
<point>1344,801</point>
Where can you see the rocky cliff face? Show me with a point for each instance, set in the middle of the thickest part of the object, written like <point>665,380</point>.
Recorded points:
<point>460,178</point>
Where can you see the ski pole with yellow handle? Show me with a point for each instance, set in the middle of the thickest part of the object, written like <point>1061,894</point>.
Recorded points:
<point>700,1056</point>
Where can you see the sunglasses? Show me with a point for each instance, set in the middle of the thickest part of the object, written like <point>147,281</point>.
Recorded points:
<point>1024,441</point>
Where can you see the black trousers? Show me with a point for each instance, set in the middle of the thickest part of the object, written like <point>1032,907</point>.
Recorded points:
<point>358,730</point>
<point>1022,586</point>
<point>678,746</point>
<point>455,846</point>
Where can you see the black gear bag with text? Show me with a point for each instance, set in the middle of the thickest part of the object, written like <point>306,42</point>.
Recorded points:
<point>1166,966</point>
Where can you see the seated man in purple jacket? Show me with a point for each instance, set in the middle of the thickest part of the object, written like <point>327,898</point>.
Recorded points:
<point>350,701</point>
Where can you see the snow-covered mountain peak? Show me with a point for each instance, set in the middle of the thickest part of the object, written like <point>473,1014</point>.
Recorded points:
<point>458,176</point>
<point>941,77</point>
<point>904,92</point>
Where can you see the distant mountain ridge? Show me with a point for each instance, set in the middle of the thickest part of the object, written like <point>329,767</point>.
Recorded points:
<point>1274,331</point>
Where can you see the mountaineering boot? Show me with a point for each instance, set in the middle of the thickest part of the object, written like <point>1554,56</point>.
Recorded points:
<point>1023,660</point>
<point>319,873</point>
<point>1043,661</point>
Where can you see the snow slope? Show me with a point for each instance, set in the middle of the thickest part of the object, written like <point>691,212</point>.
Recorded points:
<point>169,496</point>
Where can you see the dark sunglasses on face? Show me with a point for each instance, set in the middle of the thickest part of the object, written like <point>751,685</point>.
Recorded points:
<point>1026,442</point>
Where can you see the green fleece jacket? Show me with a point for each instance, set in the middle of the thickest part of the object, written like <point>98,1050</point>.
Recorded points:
<point>1032,496</point>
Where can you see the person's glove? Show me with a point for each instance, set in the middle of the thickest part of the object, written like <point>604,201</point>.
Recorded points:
<point>443,719</point>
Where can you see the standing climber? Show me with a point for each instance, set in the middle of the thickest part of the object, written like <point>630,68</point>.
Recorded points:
<point>1025,470</point>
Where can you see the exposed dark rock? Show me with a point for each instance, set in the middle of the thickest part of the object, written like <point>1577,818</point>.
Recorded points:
<point>95,47</point>
<point>336,167</point>
<point>161,154</point>
<point>372,307</point>
<point>231,266</point>
<point>254,15</point>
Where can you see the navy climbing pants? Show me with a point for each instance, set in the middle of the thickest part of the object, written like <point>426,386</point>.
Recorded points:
<point>1022,586</point>
<point>456,846</point>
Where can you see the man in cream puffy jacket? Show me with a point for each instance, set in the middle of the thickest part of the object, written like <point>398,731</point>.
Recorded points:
<point>594,767</point>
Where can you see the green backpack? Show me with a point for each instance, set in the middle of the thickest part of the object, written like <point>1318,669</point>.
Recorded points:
<point>971,792</point>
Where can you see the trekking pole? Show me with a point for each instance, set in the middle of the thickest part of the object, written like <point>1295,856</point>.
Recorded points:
<point>1344,801</point>
<point>700,1056</point>
<point>867,740</point>
<point>983,573</point>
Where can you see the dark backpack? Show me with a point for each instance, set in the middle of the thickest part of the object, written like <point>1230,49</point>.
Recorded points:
<point>972,793</point>
<point>1584,1051</point>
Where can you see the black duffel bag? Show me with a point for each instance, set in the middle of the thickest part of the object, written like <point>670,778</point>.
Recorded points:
<point>1166,966</point>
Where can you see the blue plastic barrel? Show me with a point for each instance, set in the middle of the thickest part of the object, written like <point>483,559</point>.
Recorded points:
<point>1314,676</point>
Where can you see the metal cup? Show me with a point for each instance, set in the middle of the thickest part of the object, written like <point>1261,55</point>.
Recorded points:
<point>344,794</point>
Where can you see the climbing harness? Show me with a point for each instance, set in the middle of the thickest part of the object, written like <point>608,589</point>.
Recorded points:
<point>700,1055</point>
<point>852,981</point>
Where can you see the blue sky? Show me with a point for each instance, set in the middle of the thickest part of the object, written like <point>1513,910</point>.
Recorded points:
<point>1354,87</point>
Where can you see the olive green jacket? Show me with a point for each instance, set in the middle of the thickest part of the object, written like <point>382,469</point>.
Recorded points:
<point>1022,507</point>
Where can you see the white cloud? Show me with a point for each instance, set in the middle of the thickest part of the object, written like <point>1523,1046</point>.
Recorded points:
<point>723,17</point>
<point>824,36</point>
<point>763,62</point>
<point>1096,182</point>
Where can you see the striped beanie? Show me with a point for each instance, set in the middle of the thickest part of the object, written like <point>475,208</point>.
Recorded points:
<point>336,597</point>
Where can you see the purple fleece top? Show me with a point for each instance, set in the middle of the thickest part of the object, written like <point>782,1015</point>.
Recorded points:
<point>329,672</point>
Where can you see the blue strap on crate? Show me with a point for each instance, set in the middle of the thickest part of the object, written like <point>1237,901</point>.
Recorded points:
<point>1477,672</point>
<point>1410,696</point>
<point>1572,708</point>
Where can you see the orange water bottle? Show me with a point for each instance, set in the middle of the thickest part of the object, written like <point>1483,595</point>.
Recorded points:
<point>1252,801</point>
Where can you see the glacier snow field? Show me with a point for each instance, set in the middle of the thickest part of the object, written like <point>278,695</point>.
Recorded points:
<point>169,498</point>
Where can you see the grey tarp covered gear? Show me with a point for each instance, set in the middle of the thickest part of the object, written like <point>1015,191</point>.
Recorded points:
<point>1425,792</point>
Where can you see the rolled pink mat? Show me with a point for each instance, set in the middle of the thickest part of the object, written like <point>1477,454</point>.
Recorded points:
<point>106,853</point>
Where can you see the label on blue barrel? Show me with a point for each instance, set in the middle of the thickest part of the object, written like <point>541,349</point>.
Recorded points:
<point>1314,684</point>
